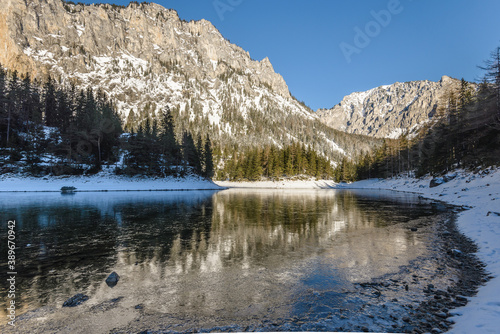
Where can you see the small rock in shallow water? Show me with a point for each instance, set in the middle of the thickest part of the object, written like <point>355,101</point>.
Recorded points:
<point>112,279</point>
<point>76,300</point>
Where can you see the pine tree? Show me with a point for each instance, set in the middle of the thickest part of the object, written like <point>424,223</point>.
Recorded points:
<point>130,124</point>
<point>63,112</point>
<point>209,163</point>
<point>13,105</point>
<point>170,148</point>
<point>189,153</point>
<point>110,129</point>
<point>50,103</point>
<point>492,68</point>
<point>200,150</point>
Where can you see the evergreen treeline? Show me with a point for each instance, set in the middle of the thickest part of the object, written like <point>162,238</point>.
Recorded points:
<point>154,150</point>
<point>275,163</point>
<point>50,129</point>
<point>465,135</point>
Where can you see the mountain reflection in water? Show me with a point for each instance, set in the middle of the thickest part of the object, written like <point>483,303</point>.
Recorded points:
<point>232,254</point>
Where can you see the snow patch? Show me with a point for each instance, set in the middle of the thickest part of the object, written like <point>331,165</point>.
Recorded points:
<point>214,64</point>
<point>396,133</point>
<point>80,29</point>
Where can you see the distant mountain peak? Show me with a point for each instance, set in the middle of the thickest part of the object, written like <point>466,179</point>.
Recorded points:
<point>390,110</point>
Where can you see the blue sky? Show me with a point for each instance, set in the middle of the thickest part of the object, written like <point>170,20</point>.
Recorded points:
<point>317,46</point>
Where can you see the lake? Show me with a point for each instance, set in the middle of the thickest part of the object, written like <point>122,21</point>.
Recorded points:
<point>231,260</point>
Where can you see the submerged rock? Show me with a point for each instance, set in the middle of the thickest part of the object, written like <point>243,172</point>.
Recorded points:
<point>112,279</point>
<point>76,300</point>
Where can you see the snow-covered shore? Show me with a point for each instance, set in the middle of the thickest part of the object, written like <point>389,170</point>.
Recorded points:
<point>103,182</point>
<point>481,193</point>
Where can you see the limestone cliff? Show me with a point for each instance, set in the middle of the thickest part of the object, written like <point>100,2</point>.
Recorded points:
<point>389,111</point>
<point>50,36</point>
<point>146,58</point>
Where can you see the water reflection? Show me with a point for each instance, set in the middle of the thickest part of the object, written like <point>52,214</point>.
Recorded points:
<point>232,254</point>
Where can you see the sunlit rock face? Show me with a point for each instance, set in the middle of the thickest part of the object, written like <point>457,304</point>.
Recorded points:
<point>145,58</point>
<point>392,110</point>
<point>68,39</point>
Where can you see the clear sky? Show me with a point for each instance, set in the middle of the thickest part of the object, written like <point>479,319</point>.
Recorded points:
<point>326,49</point>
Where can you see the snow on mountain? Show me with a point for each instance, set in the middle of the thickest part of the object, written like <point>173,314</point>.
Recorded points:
<point>391,110</point>
<point>146,58</point>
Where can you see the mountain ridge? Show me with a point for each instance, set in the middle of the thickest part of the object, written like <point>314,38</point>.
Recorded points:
<point>146,59</point>
<point>81,37</point>
<point>389,111</point>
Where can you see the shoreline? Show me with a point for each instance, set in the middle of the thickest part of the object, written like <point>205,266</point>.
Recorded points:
<point>425,310</point>
<point>103,182</point>
<point>479,193</point>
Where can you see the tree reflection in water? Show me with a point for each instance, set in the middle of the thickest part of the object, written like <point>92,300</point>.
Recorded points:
<point>212,256</point>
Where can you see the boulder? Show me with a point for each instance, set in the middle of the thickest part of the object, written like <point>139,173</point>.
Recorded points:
<point>437,181</point>
<point>76,300</point>
<point>112,279</point>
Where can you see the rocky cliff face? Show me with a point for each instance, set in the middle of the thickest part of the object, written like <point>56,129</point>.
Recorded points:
<point>145,58</point>
<point>42,36</point>
<point>389,111</point>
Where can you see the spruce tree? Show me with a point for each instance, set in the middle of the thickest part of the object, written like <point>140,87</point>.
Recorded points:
<point>50,103</point>
<point>200,150</point>
<point>13,105</point>
<point>130,124</point>
<point>170,148</point>
<point>492,68</point>
<point>189,153</point>
<point>209,163</point>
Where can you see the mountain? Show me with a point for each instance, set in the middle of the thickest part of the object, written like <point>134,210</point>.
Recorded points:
<point>146,59</point>
<point>389,111</point>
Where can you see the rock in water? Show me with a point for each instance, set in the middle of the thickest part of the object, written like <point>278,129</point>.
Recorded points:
<point>76,300</point>
<point>112,279</point>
